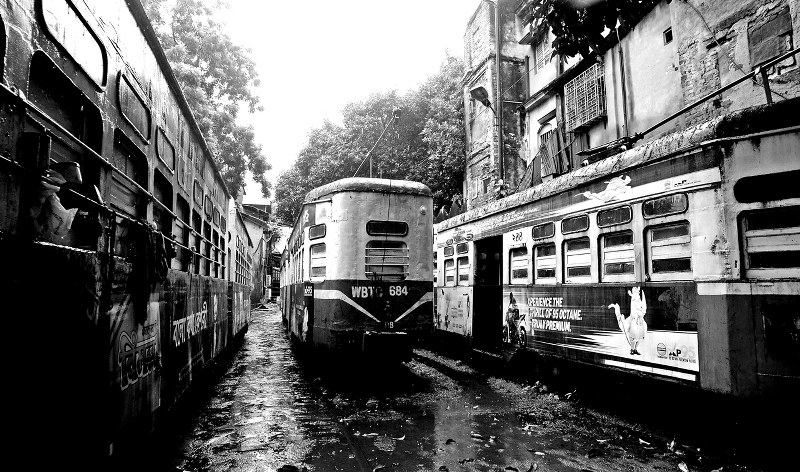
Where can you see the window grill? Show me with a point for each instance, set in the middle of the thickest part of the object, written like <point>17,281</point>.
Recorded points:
<point>386,260</point>
<point>585,96</point>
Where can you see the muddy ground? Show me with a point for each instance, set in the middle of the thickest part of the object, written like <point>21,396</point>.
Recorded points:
<point>281,408</point>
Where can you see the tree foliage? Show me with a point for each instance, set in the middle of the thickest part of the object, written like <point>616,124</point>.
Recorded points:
<point>217,77</point>
<point>426,144</point>
<point>579,25</point>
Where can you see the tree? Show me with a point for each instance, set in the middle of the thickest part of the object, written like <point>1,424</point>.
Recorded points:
<point>578,25</point>
<point>217,77</point>
<point>426,144</point>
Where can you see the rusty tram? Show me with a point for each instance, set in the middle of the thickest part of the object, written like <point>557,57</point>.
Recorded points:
<point>356,274</point>
<point>124,275</point>
<point>677,260</point>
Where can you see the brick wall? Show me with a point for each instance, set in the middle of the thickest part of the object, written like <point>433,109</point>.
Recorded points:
<point>720,42</point>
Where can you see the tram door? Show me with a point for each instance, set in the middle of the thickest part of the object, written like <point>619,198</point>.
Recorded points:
<point>487,321</point>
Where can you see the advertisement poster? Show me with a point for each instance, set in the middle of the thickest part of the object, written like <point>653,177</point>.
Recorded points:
<point>454,310</point>
<point>648,329</point>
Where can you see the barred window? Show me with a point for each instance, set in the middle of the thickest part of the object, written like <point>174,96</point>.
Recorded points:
<point>585,97</point>
<point>617,256</point>
<point>578,260</point>
<point>518,265</point>
<point>545,264</point>
<point>772,243</point>
<point>317,260</point>
<point>463,271</point>
<point>450,272</point>
<point>386,260</point>
<point>670,251</point>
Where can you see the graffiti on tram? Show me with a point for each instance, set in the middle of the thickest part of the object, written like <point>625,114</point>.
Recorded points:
<point>633,327</point>
<point>137,355</point>
<point>195,323</point>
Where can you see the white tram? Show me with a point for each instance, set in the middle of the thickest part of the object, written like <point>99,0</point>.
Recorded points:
<point>356,274</point>
<point>678,260</point>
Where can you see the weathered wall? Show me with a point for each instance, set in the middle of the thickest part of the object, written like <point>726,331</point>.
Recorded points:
<point>483,154</point>
<point>711,59</point>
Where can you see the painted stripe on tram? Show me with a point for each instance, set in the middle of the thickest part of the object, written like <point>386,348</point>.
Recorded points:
<point>338,295</point>
<point>428,297</point>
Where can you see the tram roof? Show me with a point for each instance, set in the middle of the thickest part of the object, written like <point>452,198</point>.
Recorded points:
<point>363,184</point>
<point>762,118</point>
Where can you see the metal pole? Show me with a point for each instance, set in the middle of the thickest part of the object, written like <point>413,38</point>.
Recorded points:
<point>499,102</point>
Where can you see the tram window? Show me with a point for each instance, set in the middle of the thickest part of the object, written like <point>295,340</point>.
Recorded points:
<point>463,271</point>
<point>387,228</point>
<point>578,260</point>
<point>318,260</point>
<point>768,187</point>
<point>55,94</point>
<point>546,230</point>
<point>215,242</point>
<point>518,265</point>
<point>66,26</point>
<point>614,216</point>
<point>617,256</point>
<point>317,231</point>
<point>448,251</point>
<point>129,160</point>
<point>197,223</point>
<point>197,192</point>
<point>462,248</point>
<point>435,268</point>
<point>182,233</point>
<point>207,242</point>
<point>449,272</point>
<point>575,224</point>
<point>133,107</point>
<point>772,242</point>
<point>208,207</point>
<point>162,191</point>
<point>545,263</point>
<point>663,206</point>
<point>669,249</point>
<point>165,149</point>
<point>386,260</point>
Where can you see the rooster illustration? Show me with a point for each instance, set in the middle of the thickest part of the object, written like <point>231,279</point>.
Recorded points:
<point>616,187</point>
<point>634,327</point>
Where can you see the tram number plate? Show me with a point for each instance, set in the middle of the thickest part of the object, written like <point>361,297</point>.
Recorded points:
<point>308,290</point>
<point>388,325</point>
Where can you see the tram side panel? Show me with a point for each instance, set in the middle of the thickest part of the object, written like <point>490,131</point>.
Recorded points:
<point>755,347</point>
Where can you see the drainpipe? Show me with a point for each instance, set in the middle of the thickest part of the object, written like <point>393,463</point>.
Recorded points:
<point>499,102</point>
<point>624,95</point>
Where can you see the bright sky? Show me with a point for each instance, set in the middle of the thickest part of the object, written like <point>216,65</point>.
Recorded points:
<point>315,56</point>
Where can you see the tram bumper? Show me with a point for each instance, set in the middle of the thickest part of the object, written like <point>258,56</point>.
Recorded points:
<point>387,345</point>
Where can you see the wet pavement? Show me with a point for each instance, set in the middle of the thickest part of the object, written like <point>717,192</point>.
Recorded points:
<point>279,408</point>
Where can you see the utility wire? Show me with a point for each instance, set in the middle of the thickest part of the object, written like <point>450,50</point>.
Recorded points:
<point>395,118</point>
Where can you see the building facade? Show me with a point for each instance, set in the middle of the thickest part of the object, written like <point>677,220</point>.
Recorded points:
<point>491,34</point>
<point>579,110</point>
